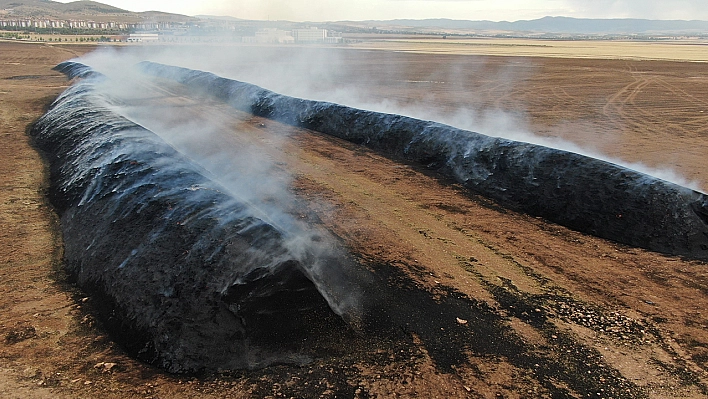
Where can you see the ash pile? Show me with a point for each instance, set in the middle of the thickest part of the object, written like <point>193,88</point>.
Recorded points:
<point>189,276</point>
<point>192,277</point>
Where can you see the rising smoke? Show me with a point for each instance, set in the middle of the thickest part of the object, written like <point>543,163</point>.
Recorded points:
<point>189,235</point>
<point>329,75</point>
<point>577,191</point>
<point>248,168</point>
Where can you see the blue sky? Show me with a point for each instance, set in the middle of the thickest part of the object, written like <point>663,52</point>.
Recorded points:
<point>495,10</point>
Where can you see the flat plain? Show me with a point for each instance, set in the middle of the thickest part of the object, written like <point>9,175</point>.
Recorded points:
<point>671,50</point>
<point>590,318</point>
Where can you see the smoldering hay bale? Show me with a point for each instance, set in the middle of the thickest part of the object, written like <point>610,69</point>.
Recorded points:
<point>187,276</point>
<point>580,192</point>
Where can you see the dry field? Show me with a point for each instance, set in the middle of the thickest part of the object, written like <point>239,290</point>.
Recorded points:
<point>674,50</point>
<point>590,318</point>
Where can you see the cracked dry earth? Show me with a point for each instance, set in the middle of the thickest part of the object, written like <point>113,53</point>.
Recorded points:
<point>491,303</point>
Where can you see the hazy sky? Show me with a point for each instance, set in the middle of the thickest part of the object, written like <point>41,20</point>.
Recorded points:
<point>495,10</point>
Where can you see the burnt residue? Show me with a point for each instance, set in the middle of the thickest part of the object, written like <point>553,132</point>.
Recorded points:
<point>580,192</point>
<point>190,277</point>
<point>451,325</point>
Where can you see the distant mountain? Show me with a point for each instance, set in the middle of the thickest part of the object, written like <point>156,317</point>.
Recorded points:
<point>83,7</point>
<point>83,10</point>
<point>219,18</point>
<point>558,25</point>
<point>99,12</point>
<point>31,8</point>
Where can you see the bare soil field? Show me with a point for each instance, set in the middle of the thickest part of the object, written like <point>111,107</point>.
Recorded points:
<point>508,305</point>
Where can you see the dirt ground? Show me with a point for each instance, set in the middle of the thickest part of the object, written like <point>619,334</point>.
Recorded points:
<point>509,305</point>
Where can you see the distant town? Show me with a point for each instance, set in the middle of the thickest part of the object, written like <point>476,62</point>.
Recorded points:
<point>160,31</point>
<point>116,25</point>
<point>28,23</point>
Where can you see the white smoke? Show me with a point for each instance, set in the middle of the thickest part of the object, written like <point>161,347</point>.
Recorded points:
<point>328,75</point>
<point>243,159</point>
<point>249,167</point>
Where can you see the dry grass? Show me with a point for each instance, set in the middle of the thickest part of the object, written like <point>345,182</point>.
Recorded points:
<point>680,50</point>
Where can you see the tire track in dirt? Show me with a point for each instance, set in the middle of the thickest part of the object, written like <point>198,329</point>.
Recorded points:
<point>690,119</point>
<point>616,105</point>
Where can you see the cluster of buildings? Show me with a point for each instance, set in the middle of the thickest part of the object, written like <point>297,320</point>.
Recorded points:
<point>81,24</point>
<point>262,36</point>
<point>143,37</point>
<point>177,31</point>
<point>306,35</point>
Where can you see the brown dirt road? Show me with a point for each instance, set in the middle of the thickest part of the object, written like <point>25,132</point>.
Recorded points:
<point>590,318</point>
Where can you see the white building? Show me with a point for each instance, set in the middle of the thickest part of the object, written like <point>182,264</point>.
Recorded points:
<point>143,37</point>
<point>269,36</point>
<point>311,35</point>
<point>333,39</point>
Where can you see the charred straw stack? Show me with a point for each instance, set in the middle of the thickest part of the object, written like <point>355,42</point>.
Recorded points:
<point>582,193</point>
<point>188,277</point>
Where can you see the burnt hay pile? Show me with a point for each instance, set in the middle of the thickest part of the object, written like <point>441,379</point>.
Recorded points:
<point>579,192</point>
<point>189,277</point>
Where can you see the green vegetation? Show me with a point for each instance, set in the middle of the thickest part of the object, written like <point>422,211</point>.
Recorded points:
<point>56,38</point>
<point>12,35</point>
<point>67,31</point>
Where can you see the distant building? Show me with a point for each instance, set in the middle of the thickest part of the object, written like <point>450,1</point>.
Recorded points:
<point>333,39</point>
<point>311,35</point>
<point>143,37</point>
<point>44,23</point>
<point>269,36</point>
